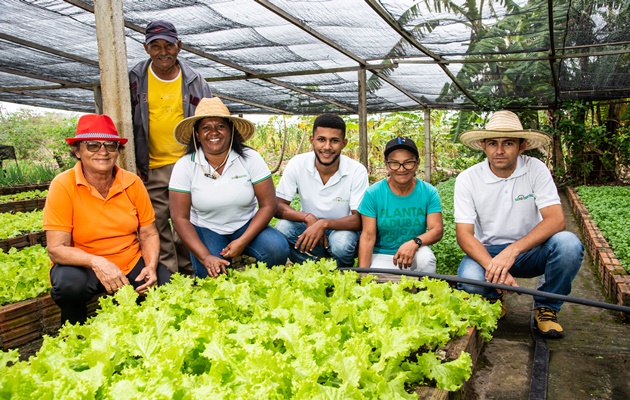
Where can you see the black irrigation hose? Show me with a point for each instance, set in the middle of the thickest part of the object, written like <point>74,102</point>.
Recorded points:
<point>516,289</point>
<point>540,365</point>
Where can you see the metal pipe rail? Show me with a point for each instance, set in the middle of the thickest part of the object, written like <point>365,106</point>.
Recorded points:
<point>516,289</point>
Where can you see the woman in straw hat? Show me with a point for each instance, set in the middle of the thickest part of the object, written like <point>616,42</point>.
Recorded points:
<point>99,224</point>
<point>509,220</point>
<point>221,192</point>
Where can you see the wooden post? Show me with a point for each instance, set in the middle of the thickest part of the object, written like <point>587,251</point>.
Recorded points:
<point>98,100</point>
<point>112,54</point>
<point>363,140</point>
<point>427,145</point>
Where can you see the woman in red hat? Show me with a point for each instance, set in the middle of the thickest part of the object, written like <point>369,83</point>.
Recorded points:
<point>99,224</point>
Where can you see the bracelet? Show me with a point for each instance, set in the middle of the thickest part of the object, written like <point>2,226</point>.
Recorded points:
<point>306,216</point>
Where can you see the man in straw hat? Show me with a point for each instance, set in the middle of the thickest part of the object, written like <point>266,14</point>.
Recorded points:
<point>509,220</point>
<point>331,187</point>
<point>164,90</point>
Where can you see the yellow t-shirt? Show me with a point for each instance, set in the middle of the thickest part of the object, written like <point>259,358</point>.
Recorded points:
<point>165,111</point>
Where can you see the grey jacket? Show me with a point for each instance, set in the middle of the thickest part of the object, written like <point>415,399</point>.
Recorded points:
<point>194,88</point>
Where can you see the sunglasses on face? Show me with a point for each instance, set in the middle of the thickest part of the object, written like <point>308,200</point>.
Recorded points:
<point>93,146</point>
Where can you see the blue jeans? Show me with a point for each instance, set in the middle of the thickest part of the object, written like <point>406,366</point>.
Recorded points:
<point>269,247</point>
<point>559,259</point>
<point>342,245</point>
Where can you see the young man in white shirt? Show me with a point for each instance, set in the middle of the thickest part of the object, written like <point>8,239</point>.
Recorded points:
<point>330,186</point>
<point>509,220</point>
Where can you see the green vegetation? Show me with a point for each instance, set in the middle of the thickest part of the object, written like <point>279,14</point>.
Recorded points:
<point>20,223</point>
<point>608,205</point>
<point>27,173</point>
<point>447,251</point>
<point>281,138</point>
<point>30,195</point>
<point>302,332</point>
<point>23,274</point>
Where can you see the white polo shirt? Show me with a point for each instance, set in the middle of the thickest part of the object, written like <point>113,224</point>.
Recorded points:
<point>504,210</point>
<point>225,204</point>
<point>336,199</point>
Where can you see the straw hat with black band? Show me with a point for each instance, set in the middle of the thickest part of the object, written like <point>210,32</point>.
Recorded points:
<point>211,107</point>
<point>504,124</point>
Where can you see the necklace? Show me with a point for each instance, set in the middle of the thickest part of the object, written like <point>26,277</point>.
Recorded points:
<point>213,174</point>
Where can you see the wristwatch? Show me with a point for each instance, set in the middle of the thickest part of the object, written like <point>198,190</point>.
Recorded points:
<point>418,241</point>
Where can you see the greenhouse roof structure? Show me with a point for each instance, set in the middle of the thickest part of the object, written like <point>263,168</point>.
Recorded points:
<point>307,56</point>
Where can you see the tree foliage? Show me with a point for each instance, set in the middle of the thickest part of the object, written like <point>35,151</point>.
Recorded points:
<point>38,137</point>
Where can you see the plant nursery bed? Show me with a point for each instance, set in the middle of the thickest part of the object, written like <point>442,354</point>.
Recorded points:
<point>23,188</point>
<point>615,279</point>
<point>23,205</point>
<point>22,241</point>
<point>28,320</point>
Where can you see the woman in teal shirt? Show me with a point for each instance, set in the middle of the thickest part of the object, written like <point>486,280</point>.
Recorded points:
<point>401,215</point>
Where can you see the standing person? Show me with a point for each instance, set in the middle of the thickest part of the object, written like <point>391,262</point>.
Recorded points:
<point>330,186</point>
<point>99,224</point>
<point>509,220</point>
<point>401,214</point>
<point>222,195</point>
<point>164,91</point>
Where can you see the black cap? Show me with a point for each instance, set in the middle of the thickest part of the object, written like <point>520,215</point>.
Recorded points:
<point>160,29</point>
<point>401,143</point>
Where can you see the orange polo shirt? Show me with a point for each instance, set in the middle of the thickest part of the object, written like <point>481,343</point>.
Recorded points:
<point>103,227</point>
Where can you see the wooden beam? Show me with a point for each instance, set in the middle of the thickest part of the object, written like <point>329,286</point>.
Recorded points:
<point>363,136</point>
<point>112,54</point>
<point>427,145</point>
<point>552,54</point>
<point>48,87</point>
<point>249,103</point>
<point>300,73</point>
<point>38,77</point>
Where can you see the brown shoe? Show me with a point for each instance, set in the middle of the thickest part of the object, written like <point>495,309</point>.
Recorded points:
<point>547,323</point>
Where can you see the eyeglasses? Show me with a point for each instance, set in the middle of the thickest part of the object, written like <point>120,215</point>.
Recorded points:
<point>94,146</point>
<point>407,165</point>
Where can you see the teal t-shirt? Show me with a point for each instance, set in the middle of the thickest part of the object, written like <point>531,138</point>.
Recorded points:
<point>399,218</point>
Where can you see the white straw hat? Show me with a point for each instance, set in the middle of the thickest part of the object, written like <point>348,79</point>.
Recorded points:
<point>211,107</point>
<point>504,124</point>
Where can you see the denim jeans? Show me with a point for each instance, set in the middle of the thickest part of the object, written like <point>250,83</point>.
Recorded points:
<point>342,245</point>
<point>559,259</point>
<point>269,246</point>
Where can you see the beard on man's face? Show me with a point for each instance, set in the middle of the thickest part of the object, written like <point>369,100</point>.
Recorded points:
<point>329,163</point>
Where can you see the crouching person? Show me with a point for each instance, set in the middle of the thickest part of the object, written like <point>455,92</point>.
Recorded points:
<point>221,193</point>
<point>401,214</point>
<point>99,224</point>
<point>509,220</point>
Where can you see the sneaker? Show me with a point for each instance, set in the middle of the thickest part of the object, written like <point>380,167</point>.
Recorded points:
<point>503,306</point>
<point>547,323</point>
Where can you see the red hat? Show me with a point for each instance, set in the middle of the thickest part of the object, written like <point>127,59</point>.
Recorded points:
<point>96,127</point>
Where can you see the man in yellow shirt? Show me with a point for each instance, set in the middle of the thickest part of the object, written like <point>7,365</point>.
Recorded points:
<point>164,90</point>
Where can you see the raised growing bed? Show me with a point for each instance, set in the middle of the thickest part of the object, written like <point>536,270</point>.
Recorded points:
<point>23,188</point>
<point>28,320</point>
<point>23,205</point>
<point>22,241</point>
<point>614,277</point>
